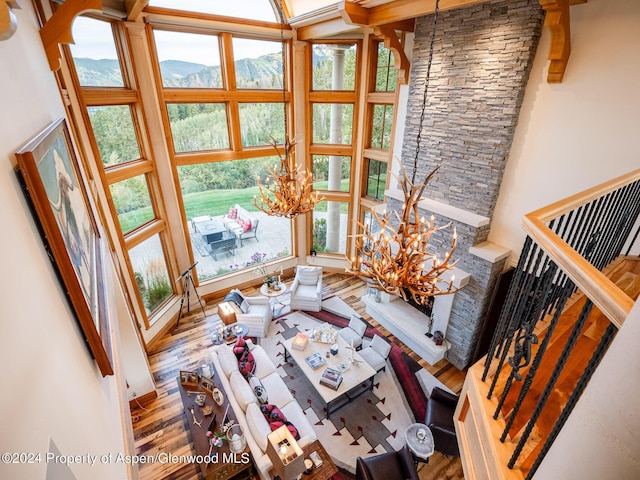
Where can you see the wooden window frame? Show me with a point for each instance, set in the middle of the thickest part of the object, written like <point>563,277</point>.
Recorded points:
<point>144,165</point>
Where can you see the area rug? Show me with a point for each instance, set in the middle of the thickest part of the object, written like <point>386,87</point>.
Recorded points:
<point>371,424</point>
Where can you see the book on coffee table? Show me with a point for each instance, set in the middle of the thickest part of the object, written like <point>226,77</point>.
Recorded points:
<point>315,360</point>
<point>300,341</point>
<point>331,378</point>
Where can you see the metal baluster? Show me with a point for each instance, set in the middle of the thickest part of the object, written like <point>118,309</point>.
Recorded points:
<point>634,201</point>
<point>526,338</point>
<point>516,317</point>
<point>521,305</point>
<point>561,279</point>
<point>612,223</point>
<point>591,367</point>
<point>526,385</point>
<point>573,337</point>
<point>506,309</point>
<point>589,226</point>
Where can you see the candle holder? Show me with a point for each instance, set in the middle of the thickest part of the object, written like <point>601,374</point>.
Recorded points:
<point>237,439</point>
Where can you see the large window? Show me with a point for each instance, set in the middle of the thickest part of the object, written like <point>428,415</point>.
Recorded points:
<point>331,172</point>
<point>114,133</point>
<point>151,273</point>
<point>198,126</point>
<point>376,179</point>
<point>334,71</point>
<point>261,10</point>
<point>378,129</point>
<point>334,66</point>
<point>379,118</point>
<point>329,227</point>
<point>222,134</point>
<point>95,55</point>
<point>132,201</point>
<point>120,144</point>
<point>199,59</point>
<point>227,231</point>
<point>258,63</point>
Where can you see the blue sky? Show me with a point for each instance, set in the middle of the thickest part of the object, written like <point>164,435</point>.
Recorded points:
<point>91,34</point>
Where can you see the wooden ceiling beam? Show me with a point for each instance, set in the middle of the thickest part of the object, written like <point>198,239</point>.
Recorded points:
<point>396,11</point>
<point>558,21</point>
<point>57,30</point>
<point>134,8</point>
<point>400,60</point>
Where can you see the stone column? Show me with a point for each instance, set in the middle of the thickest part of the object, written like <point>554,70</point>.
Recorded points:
<point>335,137</point>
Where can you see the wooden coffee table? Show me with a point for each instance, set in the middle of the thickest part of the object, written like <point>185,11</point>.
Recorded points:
<point>228,466</point>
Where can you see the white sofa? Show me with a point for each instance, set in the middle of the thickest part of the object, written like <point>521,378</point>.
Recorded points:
<point>246,407</point>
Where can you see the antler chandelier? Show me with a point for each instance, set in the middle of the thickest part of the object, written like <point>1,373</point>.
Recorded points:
<point>292,190</point>
<point>291,194</point>
<point>397,260</point>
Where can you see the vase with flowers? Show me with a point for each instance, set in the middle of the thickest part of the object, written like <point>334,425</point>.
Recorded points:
<point>269,279</point>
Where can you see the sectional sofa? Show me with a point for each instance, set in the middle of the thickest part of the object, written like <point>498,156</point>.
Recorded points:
<point>246,406</point>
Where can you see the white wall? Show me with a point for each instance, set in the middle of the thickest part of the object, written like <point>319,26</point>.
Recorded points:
<point>51,387</point>
<point>583,131</point>
<point>601,437</point>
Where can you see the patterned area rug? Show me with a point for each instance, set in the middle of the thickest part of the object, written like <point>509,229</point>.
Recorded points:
<point>372,423</point>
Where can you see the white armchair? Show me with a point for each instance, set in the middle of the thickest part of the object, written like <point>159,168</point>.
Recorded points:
<point>306,290</point>
<point>256,313</point>
<point>353,333</point>
<point>376,354</point>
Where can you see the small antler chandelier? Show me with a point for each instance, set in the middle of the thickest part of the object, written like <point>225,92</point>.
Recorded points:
<point>397,260</point>
<point>291,194</point>
<point>292,191</point>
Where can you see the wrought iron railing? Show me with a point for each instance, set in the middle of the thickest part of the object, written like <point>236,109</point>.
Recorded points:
<point>568,246</point>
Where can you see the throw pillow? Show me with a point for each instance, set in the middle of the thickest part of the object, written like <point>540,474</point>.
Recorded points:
<point>233,213</point>
<point>246,362</point>
<point>307,276</point>
<point>276,419</point>
<point>244,306</point>
<point>228,361</point>
<point>235,297</point>
<point>242,391</point>
<point>247,226</point>
<point>258,389</point>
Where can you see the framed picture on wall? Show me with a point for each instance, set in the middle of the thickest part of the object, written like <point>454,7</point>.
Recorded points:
<point>54,185</point>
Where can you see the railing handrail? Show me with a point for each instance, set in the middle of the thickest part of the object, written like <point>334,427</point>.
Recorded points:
<point>605,294</point>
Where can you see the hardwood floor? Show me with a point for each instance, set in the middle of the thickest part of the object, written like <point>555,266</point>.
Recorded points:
<point>161,425</point>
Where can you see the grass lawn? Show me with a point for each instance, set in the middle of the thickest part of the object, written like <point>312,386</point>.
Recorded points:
<point>211,202</point>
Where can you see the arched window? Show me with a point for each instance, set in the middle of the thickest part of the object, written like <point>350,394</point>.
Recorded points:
<point>262,10</point>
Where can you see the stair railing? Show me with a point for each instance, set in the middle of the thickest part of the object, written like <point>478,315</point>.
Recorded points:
<point>568,245</point>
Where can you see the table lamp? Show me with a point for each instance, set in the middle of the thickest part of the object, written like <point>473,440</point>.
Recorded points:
<point>285,454</point>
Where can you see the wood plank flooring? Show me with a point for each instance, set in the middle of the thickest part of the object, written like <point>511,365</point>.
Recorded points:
<point>161,425</point>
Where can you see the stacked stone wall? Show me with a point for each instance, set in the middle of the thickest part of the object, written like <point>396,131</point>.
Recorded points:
<point>481,63</point>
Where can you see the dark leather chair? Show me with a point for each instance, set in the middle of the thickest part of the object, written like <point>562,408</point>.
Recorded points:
<point>387,466</point>
<point>441,406</point>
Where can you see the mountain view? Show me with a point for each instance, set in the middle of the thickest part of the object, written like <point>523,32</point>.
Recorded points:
<point>262,72</point>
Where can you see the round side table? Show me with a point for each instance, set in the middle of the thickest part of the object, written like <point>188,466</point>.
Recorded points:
<point>420,441</point>
<point>234,330</point>
<point>273,294</point>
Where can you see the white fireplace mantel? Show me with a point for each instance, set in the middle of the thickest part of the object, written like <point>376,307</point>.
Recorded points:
<point>409,325</point>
